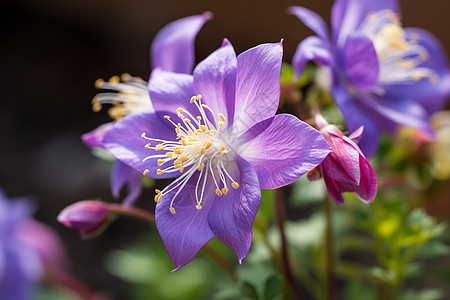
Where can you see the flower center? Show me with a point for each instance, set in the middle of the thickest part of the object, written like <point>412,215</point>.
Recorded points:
<point>130,95</point>
<point>199,147</point>
<point>399,57</point>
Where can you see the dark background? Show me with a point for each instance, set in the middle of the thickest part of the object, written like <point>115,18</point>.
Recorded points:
<point>52,52</point>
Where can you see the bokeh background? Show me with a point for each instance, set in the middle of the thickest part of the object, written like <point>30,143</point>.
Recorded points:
<point>52,52</point>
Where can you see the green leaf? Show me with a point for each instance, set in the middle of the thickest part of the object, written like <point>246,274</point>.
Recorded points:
<point>250,290</point>
<point>272,289</point>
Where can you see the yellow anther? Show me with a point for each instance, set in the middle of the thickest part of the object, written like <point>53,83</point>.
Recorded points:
<point>143,135</point>
<point>178,151</point>
<point>99,83</point>
<point>147,146</point>
<point>203,127</point>
<point>161,162</point>
<point>193,98</point>
<point>205,106</point>
<point>199,97</point>
<point>235,185</point>
<point>159,147</point>
<point>208,145</point>
<point>179,109</point>
<point>167,117</point>
<point>222,117</point>
<point>114,79</point>
<point>181,169</point>
<point>178,128</point>
<point>222,148</point>
<point>198,206</point>
<point>220,123</point>
<point>187,120</point>
<point>202,149</point>
<point>172,210</point>
<point>225,190</point>
<point>207,132</point>
<point>183,158</point>
<point>159,172</point>
<point>201,167</point>
<point>213,131</point>
<point>198,131</point>
<point>169,154</point>
<point>96,107</point>
<point>126,77</point>
<point>199,118</point>
<point>224,152</point>
<point>158,197</point>
<point>157,191</point>
<point>184,142</point>
<point>180,115</point>
<point>176,165</point>
<point>146,171</point>
<point>218,192</point>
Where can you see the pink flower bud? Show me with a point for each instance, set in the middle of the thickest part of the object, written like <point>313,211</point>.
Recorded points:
<point>88,218</point>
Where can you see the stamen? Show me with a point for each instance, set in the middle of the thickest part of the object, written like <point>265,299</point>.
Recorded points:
<point>172,210</point>
<point>146,171</point>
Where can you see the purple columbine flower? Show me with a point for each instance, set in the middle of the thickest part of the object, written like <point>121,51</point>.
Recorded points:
<point>26,247</point>
<point>346,169</point>
<point>383,75</point>
<point>88,218</point>
<point>171,50</point>
<point>217,132</point>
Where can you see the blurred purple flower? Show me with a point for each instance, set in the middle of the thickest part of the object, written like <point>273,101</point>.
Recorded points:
<point>383,75</point>
<point>88,218</point>
<point>346,169</point>
<point>171,50</point>
<point>227,146</point>
<point>26,248</point>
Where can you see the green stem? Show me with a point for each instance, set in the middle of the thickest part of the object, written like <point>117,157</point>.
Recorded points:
<point>221,262</point>
<point>280,213</point>
<point>329,250</point>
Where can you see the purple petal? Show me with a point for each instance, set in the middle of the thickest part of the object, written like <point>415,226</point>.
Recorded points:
<point>124,141</point>
<point>432,96</point>
<point>333,189</point>
<point>311,48</point>
<point>360,62</point>
<point>311,20</point>
<point>401,111</point>
<point>367,188</point>
<point>347,15</point>
<point>355,116</point>
<point>169,90</point>
<point>281,149</point>
<point>257,85</point>
<point>123,175</point>
<point>187,231</point>
<point>215,80</point>
<point>94,138</point>
<point>173,46</point>
<point>232,215</point>
<point>355,136</point>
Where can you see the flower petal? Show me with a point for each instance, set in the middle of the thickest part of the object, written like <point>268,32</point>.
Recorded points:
<point>215,80</point>
<point>94,138</point>
<point>187,231</point>
<point>312,48</point>
<point>367,188</point>
<point>169,90</point>
<point>360,62</point>
<point>281,149</point>
<point>232,215</point>
<point>122,175</point>
<point>355,116</point>
<point>257,85</point>
<point>347,15</point>
<point>124,141</point>
<point>311,20</point>
<point>333,189</point>
<point>173,46</point>
<point>432,96</point>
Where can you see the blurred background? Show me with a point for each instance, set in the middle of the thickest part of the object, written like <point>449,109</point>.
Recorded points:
<point>53,51</point>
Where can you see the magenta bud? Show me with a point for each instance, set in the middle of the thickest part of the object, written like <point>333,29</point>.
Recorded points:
<point>88,218</point>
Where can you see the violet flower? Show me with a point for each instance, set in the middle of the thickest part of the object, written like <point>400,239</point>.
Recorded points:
<point>227,145</point>
<point>383,75</point>
<point>346,169</point>
<point>171,50</point>
<point>26,247</point>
